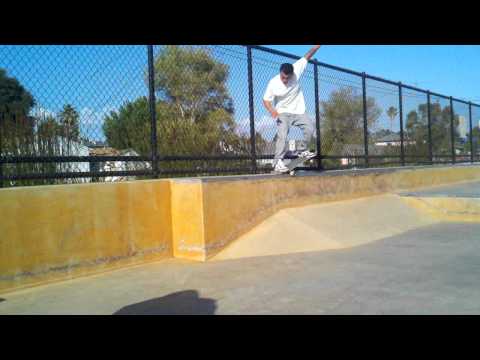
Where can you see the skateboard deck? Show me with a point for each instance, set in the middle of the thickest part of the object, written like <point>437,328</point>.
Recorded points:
<point>295,163</point>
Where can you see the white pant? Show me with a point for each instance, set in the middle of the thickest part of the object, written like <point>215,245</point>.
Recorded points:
<point>284,122</point>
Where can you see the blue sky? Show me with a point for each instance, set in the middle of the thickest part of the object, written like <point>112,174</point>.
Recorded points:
<point>98,79</point>
<point>446,69</point>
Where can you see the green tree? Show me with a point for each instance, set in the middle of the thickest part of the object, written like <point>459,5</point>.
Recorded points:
<point>69,123</point>
<point>23,134</point>
<point>381,133</point>
<point>14,99</point>
<point>48,135</point>
<point>129,127</point>
<point>48,132</point>
<point>441,129</point>
<point>192,81</point>
<point>343,121</point>
<point>194,111</point>
<point>392,113</point>
<point>475,142</point>
<point>197,109</point>
<point>417,130</point>
<point>16,125</point>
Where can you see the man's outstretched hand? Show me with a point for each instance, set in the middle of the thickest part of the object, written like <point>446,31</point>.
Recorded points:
<point>312,52</point>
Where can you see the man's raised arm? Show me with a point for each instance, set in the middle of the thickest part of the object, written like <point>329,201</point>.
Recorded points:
<point>312,52</point>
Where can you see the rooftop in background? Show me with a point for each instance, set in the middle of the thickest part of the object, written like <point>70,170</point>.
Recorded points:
<point>389,138</point>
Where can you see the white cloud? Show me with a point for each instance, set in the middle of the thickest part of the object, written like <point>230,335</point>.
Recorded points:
<point>91,122</point>
<point>265,126</point>
<point>91,117</point>
<point>243,126</point>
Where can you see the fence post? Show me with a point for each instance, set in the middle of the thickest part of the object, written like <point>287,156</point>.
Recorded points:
<point>317,117</point>
<point>365,117</point>
<point>1,151</point>
<point>400,106</point>
<point>153,114</point>
<point>452,130</point>
<point>471,131</point>
<point>429,116</point>
<point>252,110</point>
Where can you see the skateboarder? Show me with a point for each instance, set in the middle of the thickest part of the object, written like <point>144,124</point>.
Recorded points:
<point>285,102</point>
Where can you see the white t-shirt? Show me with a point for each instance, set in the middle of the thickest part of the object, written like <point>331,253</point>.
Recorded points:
<point>289,98</point>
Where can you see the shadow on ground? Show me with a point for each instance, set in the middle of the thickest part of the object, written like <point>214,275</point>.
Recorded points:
<point>2,299</point>
<point>180,303</point>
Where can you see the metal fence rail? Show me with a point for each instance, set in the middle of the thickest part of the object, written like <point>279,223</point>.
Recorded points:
<point>73,114</point>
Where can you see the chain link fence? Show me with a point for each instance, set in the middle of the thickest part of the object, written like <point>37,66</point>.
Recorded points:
<point>57,104</point>
<point>474,136</point>
<point>416,127</point>
<point>76,114</point>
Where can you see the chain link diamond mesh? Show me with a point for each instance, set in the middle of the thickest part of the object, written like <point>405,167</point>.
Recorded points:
<point>57,101</point>
<point>72,114</point>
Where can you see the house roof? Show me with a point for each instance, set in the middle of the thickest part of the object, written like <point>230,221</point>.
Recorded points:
<point>109,151</point>
<point>389,138</point>
<point>359,149</point>
<point>104,151</point>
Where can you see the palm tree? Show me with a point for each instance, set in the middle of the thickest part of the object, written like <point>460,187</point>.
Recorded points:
<point>392,113</point>
<point>69,121</point>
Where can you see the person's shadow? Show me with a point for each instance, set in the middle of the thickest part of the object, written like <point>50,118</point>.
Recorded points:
<point>181,303</point>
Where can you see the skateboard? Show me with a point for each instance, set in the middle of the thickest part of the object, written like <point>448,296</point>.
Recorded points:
<point>295,163</point>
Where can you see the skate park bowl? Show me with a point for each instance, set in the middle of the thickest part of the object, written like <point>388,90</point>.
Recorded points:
<point>53,233</point>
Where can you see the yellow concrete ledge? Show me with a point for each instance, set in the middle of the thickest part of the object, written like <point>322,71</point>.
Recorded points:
<point>50,233</point>
<point>447,209</point>
<point>226,208</point>
<point>58,232</point>
<point>188,227</point>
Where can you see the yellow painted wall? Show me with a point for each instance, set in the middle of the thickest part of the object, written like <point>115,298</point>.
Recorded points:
<point>231,208</point>
<point>58,232</point>
<point>187,219</point>
<point>447,209</point>
<point>49,233</point>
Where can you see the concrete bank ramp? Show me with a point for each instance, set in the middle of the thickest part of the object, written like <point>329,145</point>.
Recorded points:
<point>328,226</point>
<point>351,223</point>
<point>454,203</point>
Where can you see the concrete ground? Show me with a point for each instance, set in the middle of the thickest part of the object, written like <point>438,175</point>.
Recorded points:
<point>467,190</point>
<point>327,226</point>
<point>424,268</point>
